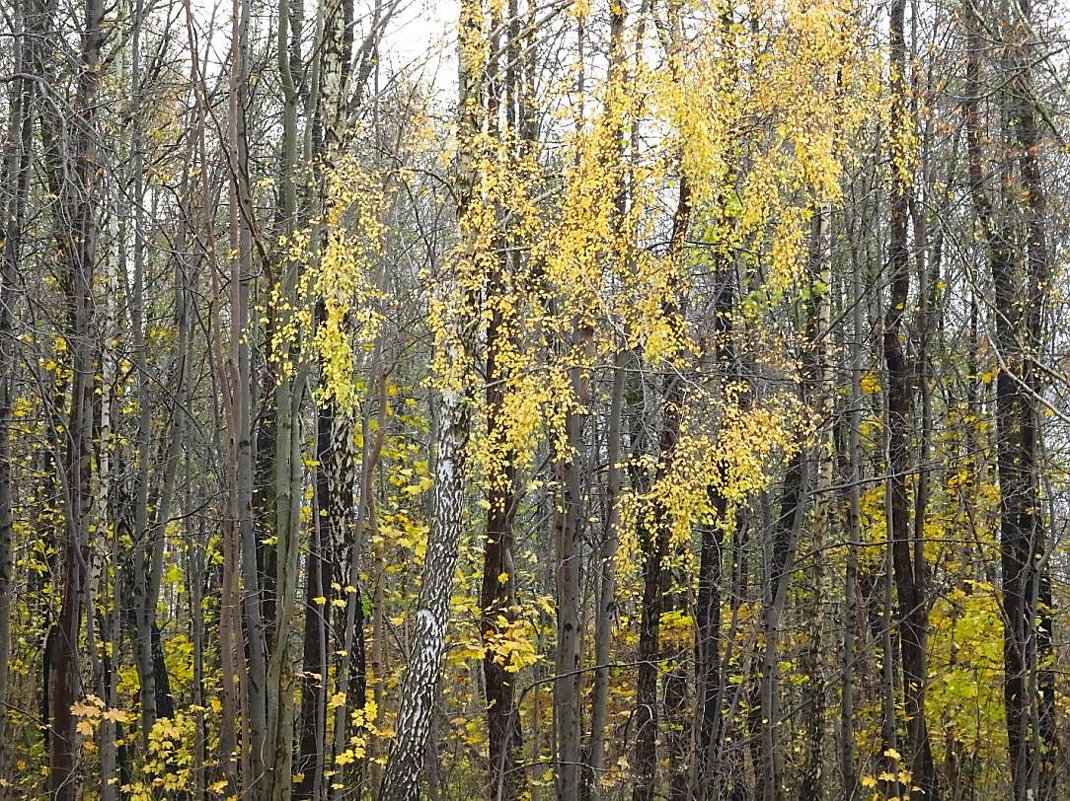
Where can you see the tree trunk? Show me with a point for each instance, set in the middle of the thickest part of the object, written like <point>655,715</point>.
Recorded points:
<point>909,570</point>
<point>420,684</point>
<point>1020,294</point>
<point>16,187</point>
<point>607,583</point>
<point>497,594</point>
<point>78,175</point>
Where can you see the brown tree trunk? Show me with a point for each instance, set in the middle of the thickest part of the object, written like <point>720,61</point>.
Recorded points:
<point>909,569</point>
<point>78,176</point>
<point>1019,286</point>
<point>16,186</point>
<point>497,596</point>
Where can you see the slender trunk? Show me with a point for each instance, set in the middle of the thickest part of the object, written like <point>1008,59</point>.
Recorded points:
<point>853,530</point>
<point>785,539</point>
<point>567,686</point>
<point>1019,296</point>
<point>79,178</point>
<point>708,674</point>
<point>653,533</point>
<point>147,558</point>
<point>285,455</point>
<point>653,542</point>
<point>909,570</point>
<point>352,667</point>
<point>420,684</point>
<point>419,687</point>
<point>16,186</point>
<point>497,595</point>
<point>254,680</point>
<point>1023,543</point>
<point>821,398</point>
<point>607,595</point>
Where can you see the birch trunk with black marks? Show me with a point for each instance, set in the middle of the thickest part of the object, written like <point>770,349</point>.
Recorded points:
<point>419,688</point>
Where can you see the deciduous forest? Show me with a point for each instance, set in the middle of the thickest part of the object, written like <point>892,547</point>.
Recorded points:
<point>611,399</point>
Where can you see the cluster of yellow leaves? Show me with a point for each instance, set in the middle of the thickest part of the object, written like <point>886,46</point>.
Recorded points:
<point>336,310</point>
<point>786,93</point>
<point>511,642</point>
<point>900,777</point>
<point>364,727</point>
<point>92,712</point>
<point>169,761</point>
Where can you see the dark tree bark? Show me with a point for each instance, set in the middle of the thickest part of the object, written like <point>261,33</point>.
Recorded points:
<point>77,174</point>
<point>497,595</point>
<point>1019,282</point>
<point>907,559</point>
<point>17,154</point>
<point>654,534</point>
<point>497,592</point>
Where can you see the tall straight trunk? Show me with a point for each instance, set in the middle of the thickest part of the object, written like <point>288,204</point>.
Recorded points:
<point>708,648</point>
<point>1019,286</point>
<point>79,178</point>
<point>567,517</point>
<point>110,624</point>
<point>352,668</point>
<point>288,472</point>
<point>1038,621</point>
<point>254,679</point>
<point>420,683</point>
<point>606,574</point>
<point>853,531</point>
<point>16,168</point>
<point>607,595</point>
<point>785,538</point>
<point>909,569</point>
<point>419,686</point>
<point>229,619</point>
<point>336,557</point>
<point>653,540</point>
<point>1022,534</point>
<point>677,725</point>
<point>568,684</point>
<point>147,556</point>
<point>280,697</point>
<point>312,713</point>
<point>654,534</point>
<point>312,729</point>
<point>497,594</point>
<point>786,534</point>
<point>823,400</point>
<point>708,674</point>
